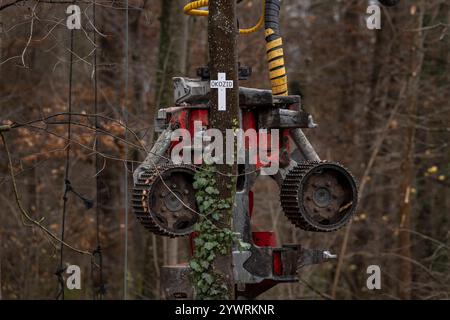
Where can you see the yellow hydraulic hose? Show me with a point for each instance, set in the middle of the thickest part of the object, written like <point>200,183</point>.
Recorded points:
<point>274,48</point>
<point>275,59</point>
<point>193,9</point>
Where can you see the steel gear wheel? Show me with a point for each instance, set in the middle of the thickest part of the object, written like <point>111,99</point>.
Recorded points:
<point>319,196</point>
<point>156,200</point>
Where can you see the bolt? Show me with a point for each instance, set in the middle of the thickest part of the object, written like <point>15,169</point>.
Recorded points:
<point>186,191</point>
<point>328,184</point>
<point>174,185</point>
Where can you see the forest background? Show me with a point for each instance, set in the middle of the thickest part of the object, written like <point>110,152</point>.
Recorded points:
<point>380,97</point>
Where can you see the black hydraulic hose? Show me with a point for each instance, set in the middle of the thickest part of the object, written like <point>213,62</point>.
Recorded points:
<point>272,19</point>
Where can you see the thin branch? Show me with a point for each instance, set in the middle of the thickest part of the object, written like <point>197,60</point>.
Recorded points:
<point>364,180</point>
<point>24,213</point>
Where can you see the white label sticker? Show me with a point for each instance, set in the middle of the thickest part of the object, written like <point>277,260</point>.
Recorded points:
<point>222,84</point>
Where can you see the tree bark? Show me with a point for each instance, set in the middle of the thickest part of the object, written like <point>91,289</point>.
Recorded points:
<point>222,38</point>
<point>172,49</point>
<point>180,34</point>
<point>1,264</point>
<point>415,43</point>
<point>139,96</point>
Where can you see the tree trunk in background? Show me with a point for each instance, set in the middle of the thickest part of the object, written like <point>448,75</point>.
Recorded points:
<point>428,198</point>
<point>110,197</point>
<point>444,221</point>
<point>172,49</point>
<point>222,38</point>
<point>138,98</point>
<point>172,62</point>
<point>379,104</point>
<point>414,43</point>
<point>351,109</point>
<point>162,97</point>
<point>1,252</point>
<point>180,34</point>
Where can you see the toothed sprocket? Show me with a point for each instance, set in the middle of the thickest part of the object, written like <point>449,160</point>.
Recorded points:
<point>319,196</point>
<point>164,200</point>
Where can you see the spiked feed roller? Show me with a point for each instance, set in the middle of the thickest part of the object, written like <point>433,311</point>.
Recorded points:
<point>319,196</point>
<point>164,200</point>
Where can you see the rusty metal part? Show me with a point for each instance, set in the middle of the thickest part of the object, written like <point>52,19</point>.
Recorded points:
<point>164,200</point>
<point>156,154</point>
<point>319,196</point>
<point>177,282</point>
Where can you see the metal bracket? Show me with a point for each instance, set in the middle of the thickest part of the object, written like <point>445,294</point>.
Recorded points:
<point>161,120</point>
<point>284,119</point>
<point>312,256</point>
<point>242,275</point>
<point>190,90</point>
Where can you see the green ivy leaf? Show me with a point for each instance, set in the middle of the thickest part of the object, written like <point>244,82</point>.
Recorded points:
<point>198,242</point>
<point>243,246</point>
<point>209,245</point>
<point>208,278</point>
<point>206,205</point>
<point>200,183</point>
<point>223,205</point>
<point>195,266</point>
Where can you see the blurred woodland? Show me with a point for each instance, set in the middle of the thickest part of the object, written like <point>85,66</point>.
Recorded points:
<point>380,98</point>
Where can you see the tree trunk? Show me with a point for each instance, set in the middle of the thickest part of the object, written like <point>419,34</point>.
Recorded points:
<point>138,98</point>
<point>171,62</point>
<point>1,264</point>
<point>415,45</point>
<point>172,49</point>
<point>180,33</point>
<point>222,38</point>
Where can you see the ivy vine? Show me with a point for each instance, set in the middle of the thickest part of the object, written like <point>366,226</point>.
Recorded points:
<point>211,241</point>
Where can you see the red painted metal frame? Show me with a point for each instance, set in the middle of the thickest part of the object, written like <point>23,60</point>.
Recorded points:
<point>185,119</point>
